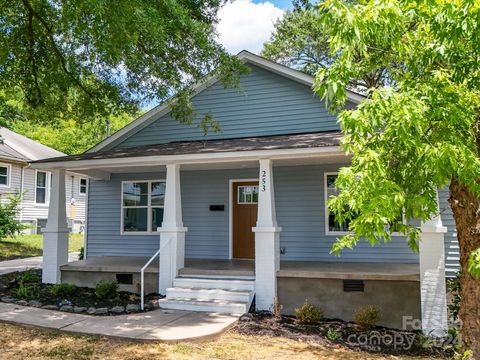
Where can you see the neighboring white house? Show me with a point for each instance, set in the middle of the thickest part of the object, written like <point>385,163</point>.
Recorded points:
<point>17,177</point>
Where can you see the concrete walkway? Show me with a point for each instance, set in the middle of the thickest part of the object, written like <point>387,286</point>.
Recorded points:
<point>157,325</point>
<point>24,264</point>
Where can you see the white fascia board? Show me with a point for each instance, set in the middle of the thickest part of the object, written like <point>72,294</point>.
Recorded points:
<point>204,158</point>
<point>165,108</point>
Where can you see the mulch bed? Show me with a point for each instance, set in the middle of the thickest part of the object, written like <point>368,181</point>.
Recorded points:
<point>80,301</point>
<point>338,333</point>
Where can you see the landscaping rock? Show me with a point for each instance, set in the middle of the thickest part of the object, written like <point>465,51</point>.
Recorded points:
<point>8,299</point>
<point>153,304</point>
<point>79,309</point>
<point>35,303</point>
<point>101,311</point>
<point>117,309</point>
<point>22,302</point>
<point>91,310</point>
<point>246,317</point>
<point>65,302</point>
<point>50,307</point>
<point>132,308</point>
<point>66,308</point>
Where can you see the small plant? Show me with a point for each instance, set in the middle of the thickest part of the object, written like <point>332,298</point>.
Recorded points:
<point>28,284</point>
<point>106,290</point>
<point>367,317</point>
<point>454,288</point>
<point>277,309</point>
<point>333,335</point>
<point>308,314</point>
<point>81,253</point>
<point>29,277</point>
<point>63,290</point>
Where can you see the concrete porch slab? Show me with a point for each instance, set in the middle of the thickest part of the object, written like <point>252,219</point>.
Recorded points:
<point>157,325</point>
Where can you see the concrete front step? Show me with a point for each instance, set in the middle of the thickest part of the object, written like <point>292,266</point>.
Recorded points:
<point>210,294</point>
<point>214,306</point>
<point>208,283</point>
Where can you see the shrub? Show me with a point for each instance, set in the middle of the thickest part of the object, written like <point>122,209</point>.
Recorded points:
<point>29,277</point>
<point>453,286</point>
<point>308,314</point>
<point>81,253</point>
<point>28,284</point>
<point>277,308</point>
<point>106,290</point>
<point>9,223</point>
<point>367,317</point>
<point>63,290</point>
<point>333,335</point>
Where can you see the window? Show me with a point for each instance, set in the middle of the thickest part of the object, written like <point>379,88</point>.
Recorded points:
<point>142,206</point>
<point>4,175</point>
<point>248,194</point>
<point>83,186</point>
<point>333,227</point>
<point>42,187</point>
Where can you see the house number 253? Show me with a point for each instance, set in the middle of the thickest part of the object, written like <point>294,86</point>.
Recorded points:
<point>264,180</point>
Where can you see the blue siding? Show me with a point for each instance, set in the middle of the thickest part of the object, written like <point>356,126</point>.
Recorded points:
<point>300,212</point>
<point>452,255</point>
<point>269,104</point>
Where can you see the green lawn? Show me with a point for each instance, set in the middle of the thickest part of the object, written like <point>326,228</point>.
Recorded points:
<point>31,245</point>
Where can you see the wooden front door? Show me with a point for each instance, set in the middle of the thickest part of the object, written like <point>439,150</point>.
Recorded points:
<point>245,198</point>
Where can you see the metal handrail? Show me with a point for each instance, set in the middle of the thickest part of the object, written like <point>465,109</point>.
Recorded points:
<point>142,281</point>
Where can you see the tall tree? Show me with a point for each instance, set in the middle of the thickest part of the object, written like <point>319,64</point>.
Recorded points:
<point>409,139</point>
<point>299,41</point>
<point>86,59</point>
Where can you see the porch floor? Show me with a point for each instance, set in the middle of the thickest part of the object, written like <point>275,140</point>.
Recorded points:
<point>298,269</point>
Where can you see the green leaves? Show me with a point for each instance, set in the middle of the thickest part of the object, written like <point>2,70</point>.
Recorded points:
<point>474,263</point>
<point>89,59</point>
<point>418,131</point>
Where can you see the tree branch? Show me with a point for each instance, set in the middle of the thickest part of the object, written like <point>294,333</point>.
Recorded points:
<point>33,62</point>
<point>56,50</point>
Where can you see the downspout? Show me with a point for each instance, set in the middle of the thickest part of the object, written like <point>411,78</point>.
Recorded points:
<point>22,176</point>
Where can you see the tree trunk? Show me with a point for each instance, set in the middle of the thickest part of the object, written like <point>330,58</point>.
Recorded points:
<point>466,211</point>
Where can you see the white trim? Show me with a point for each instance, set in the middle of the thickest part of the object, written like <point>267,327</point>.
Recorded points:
<point>85,223</point>
<point>184,159</point>
<point>48,183</point>
<point>245,56</point>
<point>230,212</point>
<point>9,176</point>
<point>325,196</point>
<point>80,186</point>
<point>148,207</point>
<point>327,226</point>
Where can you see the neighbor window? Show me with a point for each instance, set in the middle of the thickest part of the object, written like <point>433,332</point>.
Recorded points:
<point>332,225</point>
<point>142,206</point>
<point>248,194</point>
<point>83,186</point>
<point>4,175</point>
<point>41,187</point>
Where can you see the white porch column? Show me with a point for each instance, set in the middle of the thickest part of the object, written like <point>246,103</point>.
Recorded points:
<point>267,241</point>
<point>55,234</point>
<point>432,277</point>
<point>172,232</point>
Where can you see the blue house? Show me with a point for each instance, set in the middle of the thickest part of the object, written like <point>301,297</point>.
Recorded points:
<point>215,222</point>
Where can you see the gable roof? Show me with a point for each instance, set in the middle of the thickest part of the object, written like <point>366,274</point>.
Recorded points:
<point>165,107</point>
<point>19,148</point>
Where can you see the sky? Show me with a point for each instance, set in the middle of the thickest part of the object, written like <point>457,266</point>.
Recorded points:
<point>247,24</point>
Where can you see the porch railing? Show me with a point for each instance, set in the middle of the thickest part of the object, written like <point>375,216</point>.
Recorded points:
<point>142,280</point>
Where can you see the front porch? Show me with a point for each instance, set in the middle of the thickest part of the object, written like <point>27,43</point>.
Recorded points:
<point>181,208</point>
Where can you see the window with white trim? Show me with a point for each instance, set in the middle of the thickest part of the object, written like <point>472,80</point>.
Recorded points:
<point>42,187</point>
<point>83,186</point>
<point>142,206</point>
<point>5,175</point>
<point>332,225</point>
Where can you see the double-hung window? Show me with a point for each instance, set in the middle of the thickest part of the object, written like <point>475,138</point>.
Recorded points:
<point>333,227</point>
<point>42,187</point>
<point>5,175</point>
<point>142,206</point>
